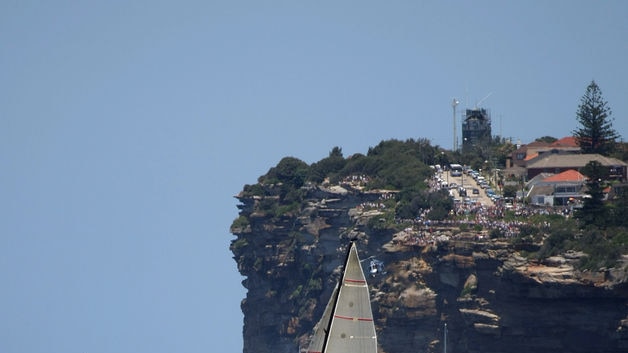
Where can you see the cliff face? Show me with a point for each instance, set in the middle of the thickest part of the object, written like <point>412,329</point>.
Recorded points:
<point>491,298</point>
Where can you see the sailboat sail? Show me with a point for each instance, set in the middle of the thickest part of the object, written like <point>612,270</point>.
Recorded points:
<point>320,330</point>
<point>350,326</point>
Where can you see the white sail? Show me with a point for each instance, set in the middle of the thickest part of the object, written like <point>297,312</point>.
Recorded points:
<point>320,330</point>
<point>350,325</point>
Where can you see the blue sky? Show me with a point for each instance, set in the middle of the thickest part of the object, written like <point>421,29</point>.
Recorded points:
<point>127,127</point>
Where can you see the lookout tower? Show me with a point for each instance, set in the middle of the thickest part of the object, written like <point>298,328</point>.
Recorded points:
<point>476,128</point>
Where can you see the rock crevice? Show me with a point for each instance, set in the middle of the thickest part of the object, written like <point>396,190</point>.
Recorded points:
<point>492,298</point>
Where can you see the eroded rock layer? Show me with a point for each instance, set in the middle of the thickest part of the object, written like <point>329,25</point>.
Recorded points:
<point>491,297</point>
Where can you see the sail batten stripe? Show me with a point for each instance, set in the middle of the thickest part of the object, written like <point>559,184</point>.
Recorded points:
<point>354,280</point>
<point>353,318</point>
<point>343,319</point>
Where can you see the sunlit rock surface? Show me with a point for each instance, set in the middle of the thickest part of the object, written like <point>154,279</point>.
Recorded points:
<point>492,298</point>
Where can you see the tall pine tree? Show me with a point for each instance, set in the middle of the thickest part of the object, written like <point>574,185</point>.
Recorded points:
<point>596,133</point>
<point>593,211</point>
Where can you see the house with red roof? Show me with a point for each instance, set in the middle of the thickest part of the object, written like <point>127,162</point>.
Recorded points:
<point>558,163</point>
<point>525,153</point>
<point>518,156</point>
<point>560,189</point>
<point>566,143</point>
<point>567,176</point>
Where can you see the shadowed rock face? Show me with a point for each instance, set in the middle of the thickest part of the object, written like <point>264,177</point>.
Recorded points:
<point>492,299</point>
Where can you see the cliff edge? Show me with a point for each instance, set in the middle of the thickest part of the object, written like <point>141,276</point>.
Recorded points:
<point>491,296</point>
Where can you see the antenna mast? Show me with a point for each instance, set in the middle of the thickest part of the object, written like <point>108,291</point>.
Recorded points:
<point>477,105</point>
<point>455,103</point>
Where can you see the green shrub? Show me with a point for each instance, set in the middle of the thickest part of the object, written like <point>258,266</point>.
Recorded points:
<point>385,221</point>
<point>240,223</point>
<point>296,292</point>
<point>496,233</point>
<point>467,290</point>
<point>528,230</point>
<point>257,266</point>
<point>239,244</point>
<point>315,284</point>
<point>603,247</point>
<point>253,190</point>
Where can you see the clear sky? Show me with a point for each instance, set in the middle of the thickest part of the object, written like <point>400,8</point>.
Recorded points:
<point>126,127</point>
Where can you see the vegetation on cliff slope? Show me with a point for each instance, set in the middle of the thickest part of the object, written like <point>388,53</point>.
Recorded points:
<point>402,166</point>
<point>296,205</point>
<point>599,228</point>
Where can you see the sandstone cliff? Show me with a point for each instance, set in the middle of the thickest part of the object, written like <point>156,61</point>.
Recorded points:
<point>492,298</point>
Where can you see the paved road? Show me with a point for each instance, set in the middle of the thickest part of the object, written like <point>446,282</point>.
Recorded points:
<point>469,184</point>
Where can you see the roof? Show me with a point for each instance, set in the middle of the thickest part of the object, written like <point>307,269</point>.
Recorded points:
<point>568,141</point>
<point>537,143</point>
<point>541,190</point>
<point>538,179</point>
<point>573,161</point>
<point>531,156</point>
<point>570,175</point>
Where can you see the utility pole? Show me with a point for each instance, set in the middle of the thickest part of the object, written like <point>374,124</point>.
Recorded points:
<point>455,103</point>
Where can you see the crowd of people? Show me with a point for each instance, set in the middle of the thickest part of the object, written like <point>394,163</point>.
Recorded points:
<point>478,218</point>
<point>475,217</point>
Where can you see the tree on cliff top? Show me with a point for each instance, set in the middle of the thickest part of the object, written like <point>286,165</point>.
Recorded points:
<point>290,174</point>
<point>596,134</point>
<point>593,211</point>
<point>547,139</point>
<point>327,167</point>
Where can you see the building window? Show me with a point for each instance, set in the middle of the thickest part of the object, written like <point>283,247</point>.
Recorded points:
<point>566,189</point>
